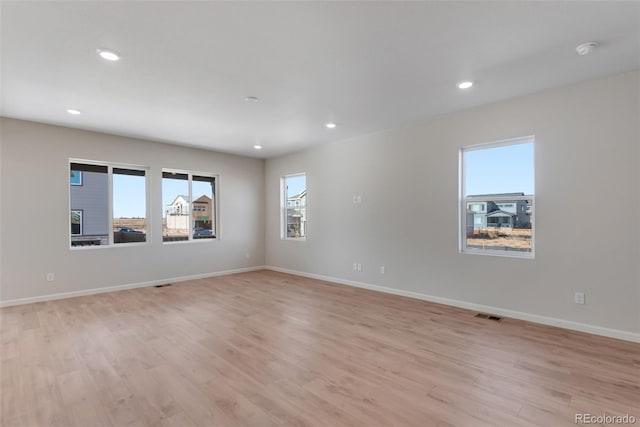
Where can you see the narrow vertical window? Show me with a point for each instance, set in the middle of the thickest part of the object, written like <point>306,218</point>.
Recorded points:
<point>203,218</point>
<point>294,206</point>
<point>76,222</point>
<point>129,205</point>
<point>175,198</point>
<point>89,204</point>
<point>497,198</point>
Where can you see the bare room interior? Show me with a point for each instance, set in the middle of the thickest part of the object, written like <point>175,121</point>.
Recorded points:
<point>319,213</point>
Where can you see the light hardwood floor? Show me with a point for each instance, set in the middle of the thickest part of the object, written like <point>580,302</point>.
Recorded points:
<point>265,348</point>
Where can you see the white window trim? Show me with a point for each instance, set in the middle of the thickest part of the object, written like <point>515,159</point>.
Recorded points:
<point>214,207</point>
<point>462,201</point>
<point>283,209</point>
<point>110,166</point>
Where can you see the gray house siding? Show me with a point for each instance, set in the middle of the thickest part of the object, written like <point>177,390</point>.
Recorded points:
<point>92,199</point>
<point>513,213</point>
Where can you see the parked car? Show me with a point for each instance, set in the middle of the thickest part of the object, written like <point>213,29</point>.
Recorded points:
<point>202,232</point>
<point>129,230</point>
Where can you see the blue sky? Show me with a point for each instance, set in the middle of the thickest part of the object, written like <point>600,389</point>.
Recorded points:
<point>296,184</point>
<point>506,169</point>
<point>129,194</point>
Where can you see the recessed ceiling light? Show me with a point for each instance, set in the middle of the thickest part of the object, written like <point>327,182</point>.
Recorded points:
<point>73,111</point>
<point>586,48</point>
<point>252,99</point>
<point>108,54</point>
<point>257,147</point>
<point>330,125</point>
<point>465,85</point>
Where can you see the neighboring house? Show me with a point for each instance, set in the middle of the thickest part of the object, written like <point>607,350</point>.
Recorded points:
<point>477,215</point>
<point>89,208</point>
<point>513,214</point>
<point>203,212</point>
<point>177,214</point>
<point>297,215</point>
<point>179,206</point>
<point>502,214</point>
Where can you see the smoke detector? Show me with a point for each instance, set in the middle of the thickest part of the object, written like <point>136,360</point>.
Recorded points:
<point>586,48</point>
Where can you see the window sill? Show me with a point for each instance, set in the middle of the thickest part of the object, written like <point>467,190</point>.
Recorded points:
<point>502,254</point>
<point>117,245</point>
<point>182,242</point>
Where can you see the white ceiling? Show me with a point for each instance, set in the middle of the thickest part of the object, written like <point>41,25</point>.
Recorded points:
<point>187,66</point>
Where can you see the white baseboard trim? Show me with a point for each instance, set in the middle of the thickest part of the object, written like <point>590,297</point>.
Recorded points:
<point>63,295</point>
<point>551,321</point>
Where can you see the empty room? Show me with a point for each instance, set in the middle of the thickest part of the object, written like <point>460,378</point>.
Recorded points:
<point>319,213</point>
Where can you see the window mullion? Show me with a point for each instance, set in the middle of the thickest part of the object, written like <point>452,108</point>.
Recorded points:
<point>110,203</point>
<point>190,208</point>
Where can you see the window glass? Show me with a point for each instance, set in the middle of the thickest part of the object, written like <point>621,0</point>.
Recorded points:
<point>89,204</point>
<point>76,222</point>
<point>175,199</point>
<point>203,218</point>
<point>129,206</point>
<point>295,210</point>
<point>499,169</point>
<point>498,198</point>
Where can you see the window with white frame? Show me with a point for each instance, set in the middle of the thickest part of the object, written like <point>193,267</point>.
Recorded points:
<point>294,206</point>
<point>497,198</point>
<point>108,203</point>
<point>189,206</point>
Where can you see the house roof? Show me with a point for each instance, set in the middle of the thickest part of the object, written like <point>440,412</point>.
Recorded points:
<point>182,196</point>
<point>500,213</point>
<point>300,195</point>
<point>203,199</point>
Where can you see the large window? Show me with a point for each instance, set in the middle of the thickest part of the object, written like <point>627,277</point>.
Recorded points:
<point>108,204</point>
<point>189,206</point>
<point>497,198</point>
<point>294,206</point>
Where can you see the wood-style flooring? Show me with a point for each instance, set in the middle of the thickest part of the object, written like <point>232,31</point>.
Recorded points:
<point>270,349</point>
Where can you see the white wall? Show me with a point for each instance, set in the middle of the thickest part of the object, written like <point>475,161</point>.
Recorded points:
<point>35,213</point>
<point>587,209</point>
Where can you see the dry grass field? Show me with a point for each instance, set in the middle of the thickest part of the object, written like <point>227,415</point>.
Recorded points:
<point>139,224</point>
<point>492,238</point>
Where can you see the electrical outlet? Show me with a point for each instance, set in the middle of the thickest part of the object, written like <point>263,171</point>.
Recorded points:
<point>579,298</point>
<point>51,277</point>
<point>247,255</point>
<point>355,266</point>
<point>359,267</point>
<point>382,269</point>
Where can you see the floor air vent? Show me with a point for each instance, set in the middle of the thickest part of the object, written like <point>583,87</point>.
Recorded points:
<point>162,286</point>
<point>489,316</point>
